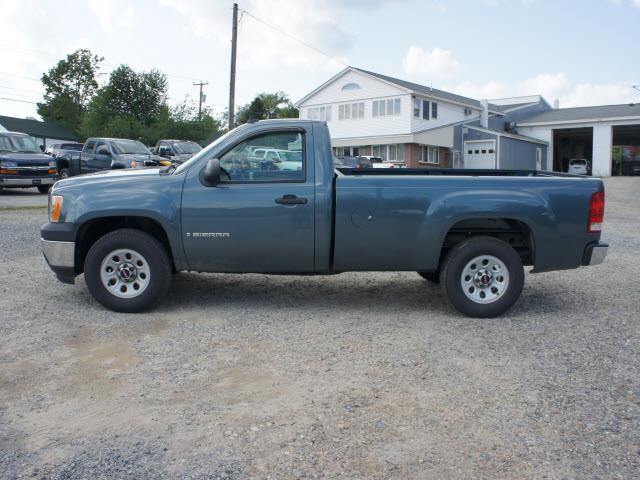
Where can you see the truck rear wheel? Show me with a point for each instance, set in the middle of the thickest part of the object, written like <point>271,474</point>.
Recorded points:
<point>482,277</point>
<point>44,188</point>
<point>127,271</point>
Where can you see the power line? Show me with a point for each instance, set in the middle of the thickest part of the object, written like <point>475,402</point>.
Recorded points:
<point>20,76</point>
<point>15,100</point>
<point>282,32</point>
<point>21,89</point>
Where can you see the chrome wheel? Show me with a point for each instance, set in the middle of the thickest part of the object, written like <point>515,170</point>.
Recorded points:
<point>125,273</point>
<point>484,279</point>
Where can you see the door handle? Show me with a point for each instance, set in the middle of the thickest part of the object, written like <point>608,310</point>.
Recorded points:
<point>291,200</point>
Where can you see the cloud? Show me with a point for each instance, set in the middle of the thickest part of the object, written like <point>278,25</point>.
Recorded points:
<point>113,14</point>
<point>436,64</point>
<point>551,86</point>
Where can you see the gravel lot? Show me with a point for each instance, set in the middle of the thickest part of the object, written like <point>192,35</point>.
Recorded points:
<point>365,375</point>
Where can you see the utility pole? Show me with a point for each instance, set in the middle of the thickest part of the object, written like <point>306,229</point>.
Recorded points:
<point>202,98</point>
<point>232,76</point>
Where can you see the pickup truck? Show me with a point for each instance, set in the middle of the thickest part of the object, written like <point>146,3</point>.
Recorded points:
<point>470,230</point>
<point>100,154</point>
<point>176,150</point>
<point>23,165</point>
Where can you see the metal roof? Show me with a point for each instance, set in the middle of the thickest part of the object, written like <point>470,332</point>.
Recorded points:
<point>601,112</point>
<point>36,128</point>
<point>430,91</point>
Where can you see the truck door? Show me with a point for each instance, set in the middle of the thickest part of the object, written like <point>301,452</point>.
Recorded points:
<point>101,159</point>
<point>86,156</point>
<point>259,218</point>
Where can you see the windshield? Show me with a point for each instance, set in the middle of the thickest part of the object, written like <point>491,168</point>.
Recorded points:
<point>185,166</point>
<point>18,143</point>
<point>129,146</point>
<point>187,147</point>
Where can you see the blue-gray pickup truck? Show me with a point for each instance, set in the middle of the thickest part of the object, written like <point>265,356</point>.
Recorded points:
<point>23,165</point>
<point>98,154</point>
<point>228,210</point>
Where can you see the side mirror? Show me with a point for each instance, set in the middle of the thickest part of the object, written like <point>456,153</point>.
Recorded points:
<point>210,174</point>
<point>42,148</point>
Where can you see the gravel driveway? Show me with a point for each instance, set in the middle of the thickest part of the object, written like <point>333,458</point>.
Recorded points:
<point>359,375</point>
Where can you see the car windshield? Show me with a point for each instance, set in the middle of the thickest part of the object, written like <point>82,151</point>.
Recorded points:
<point>187,147</point>
<point>18,143</point>
<point>129,146</point>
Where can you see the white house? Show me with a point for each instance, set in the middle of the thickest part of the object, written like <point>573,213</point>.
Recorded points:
<point>373,114</point>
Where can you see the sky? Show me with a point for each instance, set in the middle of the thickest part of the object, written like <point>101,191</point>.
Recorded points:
<point>581,52</point>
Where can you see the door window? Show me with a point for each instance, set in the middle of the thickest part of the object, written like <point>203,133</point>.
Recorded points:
<point>89,147</point>
<point>283,161</point>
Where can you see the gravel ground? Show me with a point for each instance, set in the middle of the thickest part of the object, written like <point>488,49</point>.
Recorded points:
<point>359,375</point>
<point>22,197</point>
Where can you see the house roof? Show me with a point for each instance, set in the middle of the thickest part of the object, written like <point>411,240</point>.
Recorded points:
<point>413,87</point>
<point>36,128</point>
<point>433,92</point>
<point>577,114</point>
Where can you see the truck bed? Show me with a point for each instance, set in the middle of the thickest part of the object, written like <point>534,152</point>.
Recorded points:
<point>454,172</point>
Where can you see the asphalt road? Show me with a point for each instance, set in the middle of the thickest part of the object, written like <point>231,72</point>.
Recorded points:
<point>359,375</point>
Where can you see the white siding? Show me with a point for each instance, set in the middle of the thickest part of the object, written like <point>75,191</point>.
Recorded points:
<point>447,113</point>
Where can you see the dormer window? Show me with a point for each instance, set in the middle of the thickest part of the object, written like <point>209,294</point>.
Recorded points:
<point>350,86</point>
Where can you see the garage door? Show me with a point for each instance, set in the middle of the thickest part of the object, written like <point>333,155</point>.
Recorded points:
<point>480,154</point>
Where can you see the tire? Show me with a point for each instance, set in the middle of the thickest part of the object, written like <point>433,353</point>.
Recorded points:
<point>433,277</point>
<point>44,188</point>
<point>65,173</point>
<point>127,271</point>
<point>479,290</point>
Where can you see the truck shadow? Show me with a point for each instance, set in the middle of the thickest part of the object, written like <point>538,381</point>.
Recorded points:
<point>393,292</point>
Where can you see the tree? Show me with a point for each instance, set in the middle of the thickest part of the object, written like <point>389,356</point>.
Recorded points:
<point>69,86</point>
<point>128,106</point>
<point>267,105</point>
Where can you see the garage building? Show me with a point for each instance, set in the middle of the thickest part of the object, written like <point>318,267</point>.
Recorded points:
<point>607,136</point>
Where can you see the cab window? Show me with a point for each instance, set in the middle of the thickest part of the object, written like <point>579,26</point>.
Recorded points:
<point>244,163</point>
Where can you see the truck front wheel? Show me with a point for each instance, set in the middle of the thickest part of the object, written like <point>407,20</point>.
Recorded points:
<point>127,270</point>
<point>482,277</point>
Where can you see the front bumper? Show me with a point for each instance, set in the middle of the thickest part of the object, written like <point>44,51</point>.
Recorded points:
<point>59,250</point>
<point>26,181</point>
<point>595,254</point>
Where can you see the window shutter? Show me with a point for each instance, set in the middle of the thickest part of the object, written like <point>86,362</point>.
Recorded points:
<point>434,110</point>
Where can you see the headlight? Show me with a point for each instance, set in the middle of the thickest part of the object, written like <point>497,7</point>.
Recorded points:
<point>52,164</point>
<point>8,164</point>
<point>133,164</point>
<point>55,208</point>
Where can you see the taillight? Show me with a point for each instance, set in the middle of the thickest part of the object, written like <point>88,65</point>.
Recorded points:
<point>596,213</point>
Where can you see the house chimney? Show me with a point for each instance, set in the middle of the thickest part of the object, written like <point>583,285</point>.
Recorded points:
<point>484,117</point>
<point>556,104</point>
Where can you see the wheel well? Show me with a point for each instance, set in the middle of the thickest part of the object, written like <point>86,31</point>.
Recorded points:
<point>63,163</point>
<point>94,229</point>
<point>514,232</point>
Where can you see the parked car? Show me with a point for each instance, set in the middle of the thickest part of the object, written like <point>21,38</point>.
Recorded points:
<point>23,164</point>
<point>129,231</point>
<point>353,162</point>
<point>108,154</point>
<point>379,162</point>
<point>61,148</point>
<point>176,150</point>
<point>578,166</point>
